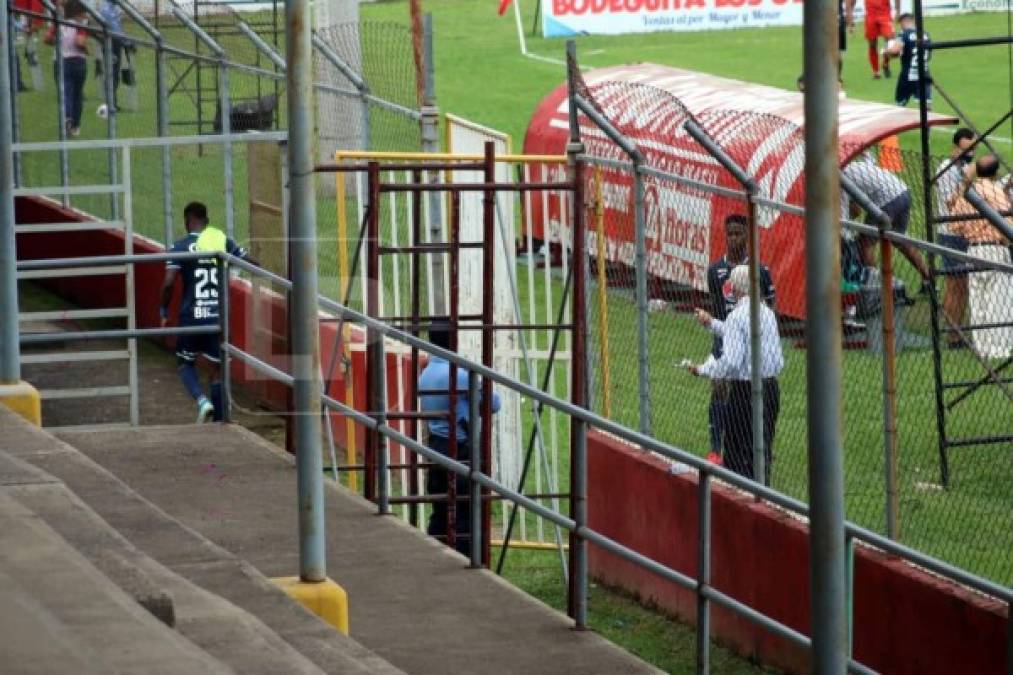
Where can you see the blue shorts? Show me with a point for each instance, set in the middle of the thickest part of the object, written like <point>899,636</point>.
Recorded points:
<point>899,210</point>
<point>954,241</point>
<point>188,347</point>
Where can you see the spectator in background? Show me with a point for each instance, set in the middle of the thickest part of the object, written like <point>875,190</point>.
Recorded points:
<point>735,365</point>
<point>434,396</point>
<point>951,174</point>
<point>890,194</point>
<point>110,13</point>
<point>722,301</point>
<point>73,45</point>
<point>990,292</point>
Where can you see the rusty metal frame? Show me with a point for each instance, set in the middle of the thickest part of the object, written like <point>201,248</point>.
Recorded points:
<point>373,248</point>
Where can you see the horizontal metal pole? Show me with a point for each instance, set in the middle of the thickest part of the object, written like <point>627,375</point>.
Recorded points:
<point>932,564</point>
<point>718,153</point>
<point>862,199</point>
<point>984,440</point>
<point>335,60</point>
<point>117,334</point>
<point>83,392</point>
<point>76,357</point>
<point>257,364</point>
<point>262,46</point>
<point>989,213</point>
<point>972,42</point>
<point>69,271</point>
<point>375,100</point>
<point>625,143</point>
<point>74,314</point>
<point>197,30</point>
<point>153,142</point>
<point>422,166</point>
<point>84,226</point>
<point>69,190</point>
<point>473,187</point>
<point>105,260</point>
<point>452,157</point>
<point>645,170</point>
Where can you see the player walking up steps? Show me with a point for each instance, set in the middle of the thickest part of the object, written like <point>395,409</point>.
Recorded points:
<point>199,304</point>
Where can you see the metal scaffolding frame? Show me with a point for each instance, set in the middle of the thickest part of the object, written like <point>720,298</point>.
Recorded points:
<point>942,325</point>
<point>371,242</point>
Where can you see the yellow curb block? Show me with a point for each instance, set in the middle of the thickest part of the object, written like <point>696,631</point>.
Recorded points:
<point>23,399</point>
<point>324,598</point>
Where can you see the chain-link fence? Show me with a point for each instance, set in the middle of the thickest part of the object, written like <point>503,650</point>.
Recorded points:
<point>679,199</point>
<point>176,83</point>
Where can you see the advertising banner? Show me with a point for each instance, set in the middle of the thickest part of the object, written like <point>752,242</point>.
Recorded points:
<point>565,18</point>
<point>561,18</point>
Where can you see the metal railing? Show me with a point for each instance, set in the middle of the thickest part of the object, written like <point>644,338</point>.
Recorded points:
<point>706,594</point>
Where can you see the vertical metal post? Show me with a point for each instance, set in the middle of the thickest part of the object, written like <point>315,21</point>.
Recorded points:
<point>13,89</point>
<point>890,466</point>
<point>578,582</point>
<point>304,325</point>
<point>225,97</point>
<point>10,356</point>
<point>703,615</point>
<point>372,309</point>
<point>453,301</point>
<point>928,205</point>
<point>603,307</point>
<point>488,318</point>
<point>475,488</point>
<point>823,337</point>
<point>110,100</point>
<point>431,143</point>
<point>162,114</point>
<point>378,373</point>
<point>61,104</point>
<point>643,341</point>
<point>755,350</point>
<point>131,280</point>
<point>224,315</point>
<point>413,378</point>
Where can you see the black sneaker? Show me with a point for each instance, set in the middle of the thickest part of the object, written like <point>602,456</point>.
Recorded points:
<point>886,71</point>
<point>957,344</point>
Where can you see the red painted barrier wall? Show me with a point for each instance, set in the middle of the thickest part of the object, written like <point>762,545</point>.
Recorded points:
<point>905,620</point>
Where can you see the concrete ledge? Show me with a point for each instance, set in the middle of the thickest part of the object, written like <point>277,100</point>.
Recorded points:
<point>324,598</point>
<point>23,399</point>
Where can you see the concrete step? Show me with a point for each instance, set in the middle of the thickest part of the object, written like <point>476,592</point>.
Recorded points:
<point>60,614</point>
<point>218,602</point>
<point>412,600</point>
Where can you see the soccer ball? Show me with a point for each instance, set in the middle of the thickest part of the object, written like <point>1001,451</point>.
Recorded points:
<point>102,111</point>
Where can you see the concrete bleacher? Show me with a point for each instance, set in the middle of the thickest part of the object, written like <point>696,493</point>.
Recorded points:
<point>191,521</point>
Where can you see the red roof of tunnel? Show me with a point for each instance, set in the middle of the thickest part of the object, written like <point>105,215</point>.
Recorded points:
<point>862,123</point>
<point>683,237</point>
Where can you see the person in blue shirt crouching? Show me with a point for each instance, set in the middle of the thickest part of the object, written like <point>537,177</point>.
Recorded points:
<point>434,396</point>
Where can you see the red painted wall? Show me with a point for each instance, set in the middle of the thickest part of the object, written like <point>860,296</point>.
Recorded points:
<point>905,620</point>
